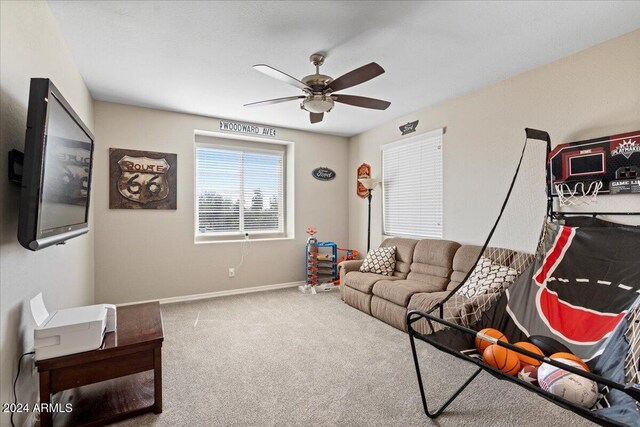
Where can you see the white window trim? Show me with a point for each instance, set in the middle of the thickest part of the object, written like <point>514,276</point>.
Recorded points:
<point>235,240</point>
<point>288,191</point>
<point>411,139</point>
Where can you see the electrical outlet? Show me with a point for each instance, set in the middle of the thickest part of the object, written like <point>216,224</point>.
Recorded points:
<point>232,272</point>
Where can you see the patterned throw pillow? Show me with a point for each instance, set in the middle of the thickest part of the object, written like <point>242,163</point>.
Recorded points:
<point>380,261</point>
<point>487,277</point>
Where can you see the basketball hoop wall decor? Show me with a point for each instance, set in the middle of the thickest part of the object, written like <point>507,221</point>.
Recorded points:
<point>579,171</point>
<point>142,179</point>
<point>364,171</point>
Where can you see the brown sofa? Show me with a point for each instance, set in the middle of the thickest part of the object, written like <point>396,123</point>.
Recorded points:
<point>426,270</point>
<point>357,288</point>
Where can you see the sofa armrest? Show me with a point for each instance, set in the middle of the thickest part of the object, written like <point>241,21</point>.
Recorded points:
<point>347,266</point>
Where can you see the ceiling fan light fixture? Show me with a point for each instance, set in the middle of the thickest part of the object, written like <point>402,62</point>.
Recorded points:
<point>319,89</point>
<point>317,104</point>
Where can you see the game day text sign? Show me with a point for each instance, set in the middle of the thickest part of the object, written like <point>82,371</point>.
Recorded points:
<point>247,128</point>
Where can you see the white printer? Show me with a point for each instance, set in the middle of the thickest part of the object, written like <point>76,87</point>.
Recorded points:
<point>72,330</point>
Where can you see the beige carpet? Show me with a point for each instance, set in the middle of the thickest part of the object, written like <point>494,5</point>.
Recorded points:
<point>283,358</point>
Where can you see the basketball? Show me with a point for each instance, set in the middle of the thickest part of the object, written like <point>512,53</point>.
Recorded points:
<point>526,360</point>
<point>548,345</point>
<point>573,357</point>
<point>576,389</point>
<point>482,344</point>
<point>529,374</point>
<point>499,357</point>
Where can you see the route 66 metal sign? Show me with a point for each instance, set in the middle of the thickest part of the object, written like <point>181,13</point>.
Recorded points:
<point>142,179</point>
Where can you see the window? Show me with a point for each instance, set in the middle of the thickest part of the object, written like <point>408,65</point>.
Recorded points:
<point>412,186</point>
<point>240,189</point>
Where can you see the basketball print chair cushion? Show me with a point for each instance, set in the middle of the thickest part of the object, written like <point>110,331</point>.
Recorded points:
<point>487,277</point>
<point>380,261</point>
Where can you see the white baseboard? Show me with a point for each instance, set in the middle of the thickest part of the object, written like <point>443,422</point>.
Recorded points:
<point>218,294</point>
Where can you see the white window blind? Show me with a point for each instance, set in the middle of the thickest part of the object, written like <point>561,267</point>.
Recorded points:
<point>412,186</point>
<point>239,191</point>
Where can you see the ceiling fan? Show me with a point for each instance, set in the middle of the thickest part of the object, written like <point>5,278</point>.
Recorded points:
<point>319,89</point>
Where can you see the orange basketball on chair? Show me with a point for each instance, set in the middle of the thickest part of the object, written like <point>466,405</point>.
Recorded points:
<point>526,360</point>
<point>499,357</point>
<point>481,344</point>
<point>572,357</point>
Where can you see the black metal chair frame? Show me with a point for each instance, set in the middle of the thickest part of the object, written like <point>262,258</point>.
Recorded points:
<point>414,315</point>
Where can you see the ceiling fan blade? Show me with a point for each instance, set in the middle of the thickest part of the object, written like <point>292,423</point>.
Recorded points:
<point>361,101</point>
<point>273,101</point>
<point>279,75</point>
<point>355,77</point>
<point>316,117</point>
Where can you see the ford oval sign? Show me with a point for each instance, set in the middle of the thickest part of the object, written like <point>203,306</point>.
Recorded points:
<point>323,174</point>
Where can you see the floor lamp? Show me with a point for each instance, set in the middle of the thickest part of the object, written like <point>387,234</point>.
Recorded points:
<point>369,184</point>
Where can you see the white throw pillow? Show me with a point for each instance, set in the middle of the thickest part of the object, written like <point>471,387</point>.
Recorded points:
<point>488,276</point>
<point>380,261</point>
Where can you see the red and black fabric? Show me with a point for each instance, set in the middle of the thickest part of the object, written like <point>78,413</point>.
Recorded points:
<point>581,288</point>
<point>598,263</point>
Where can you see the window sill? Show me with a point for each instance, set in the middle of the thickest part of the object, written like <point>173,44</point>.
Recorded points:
<point>204,240</point>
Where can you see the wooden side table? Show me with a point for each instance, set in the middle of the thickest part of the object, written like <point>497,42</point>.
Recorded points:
<point>121,379</point>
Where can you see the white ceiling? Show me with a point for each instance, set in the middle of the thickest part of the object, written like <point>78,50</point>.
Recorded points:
<point>196,57</point>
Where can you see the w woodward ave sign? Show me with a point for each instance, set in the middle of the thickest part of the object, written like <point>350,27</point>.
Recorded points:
<point>247,128</point>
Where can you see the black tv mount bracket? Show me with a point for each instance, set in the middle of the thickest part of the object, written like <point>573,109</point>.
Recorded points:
<point>16,161</point>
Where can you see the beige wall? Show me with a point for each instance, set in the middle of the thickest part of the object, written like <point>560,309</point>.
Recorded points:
<point>147,254</point>
<point>31,46</point>
<point>141,255</point>
<point>593,93</point>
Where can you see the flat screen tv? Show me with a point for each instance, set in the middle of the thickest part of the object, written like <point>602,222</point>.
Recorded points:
<point>56,174</point>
